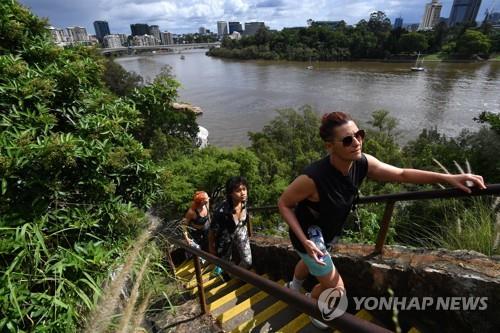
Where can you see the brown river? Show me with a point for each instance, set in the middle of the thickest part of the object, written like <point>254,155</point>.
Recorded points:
<point>241,96</point>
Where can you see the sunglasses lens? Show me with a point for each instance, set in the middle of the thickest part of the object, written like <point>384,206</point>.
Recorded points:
<point>347,141</point>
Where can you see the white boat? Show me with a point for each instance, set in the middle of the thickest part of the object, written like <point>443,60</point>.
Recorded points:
<point>418,67</point>
<point>309,67</point>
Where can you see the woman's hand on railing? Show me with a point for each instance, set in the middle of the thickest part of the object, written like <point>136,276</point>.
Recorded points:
<point>464,181</point>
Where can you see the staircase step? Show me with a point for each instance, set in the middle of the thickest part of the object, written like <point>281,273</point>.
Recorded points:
<point>229,296</point>
<point>296,324</point>
<point>193,283</point>
<point>225,285</point>
<point>243,306</point>
<point>260,318</point>
<point>207,285</point>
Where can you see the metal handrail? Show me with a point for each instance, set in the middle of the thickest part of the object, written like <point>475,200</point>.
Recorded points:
<point>346,322</point>
<point>391,199</point>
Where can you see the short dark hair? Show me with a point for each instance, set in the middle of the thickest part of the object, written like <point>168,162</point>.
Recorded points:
<point>233,183</point>
<point>331,120</point>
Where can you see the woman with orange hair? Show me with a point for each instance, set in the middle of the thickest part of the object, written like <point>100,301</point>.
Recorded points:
<point>196,222</point>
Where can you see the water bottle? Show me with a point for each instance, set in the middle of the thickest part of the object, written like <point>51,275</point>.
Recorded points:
<point>315,235</point>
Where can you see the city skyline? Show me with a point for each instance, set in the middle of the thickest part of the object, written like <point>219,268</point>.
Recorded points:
<point>186,16</point>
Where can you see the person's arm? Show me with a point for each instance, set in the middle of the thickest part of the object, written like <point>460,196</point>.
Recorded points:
<point>301,188</point>
<point>190,215</point>
<point>385,172</point>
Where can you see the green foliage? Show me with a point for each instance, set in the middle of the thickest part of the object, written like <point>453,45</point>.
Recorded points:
<point>463,224</point>
<point>208,170</point>
<point>473,42</point>
<point>468,225</point>
<point>492,119</point>
<point>118,80</point>
<point>372,39</point>
<point>74,179</point>
<point>364,227</point>
<point>288,144</point>
<point>18,27</point>
<point>413,42</point>
<point>161,121</point>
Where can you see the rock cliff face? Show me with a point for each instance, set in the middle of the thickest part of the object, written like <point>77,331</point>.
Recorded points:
<point>465,276</point>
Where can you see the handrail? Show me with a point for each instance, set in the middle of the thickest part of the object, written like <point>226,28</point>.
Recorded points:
<point>346,322</point>
<point>415,195</point>
<point>391,199</point>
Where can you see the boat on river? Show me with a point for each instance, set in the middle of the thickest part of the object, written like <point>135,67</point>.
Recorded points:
<point>418,65</point>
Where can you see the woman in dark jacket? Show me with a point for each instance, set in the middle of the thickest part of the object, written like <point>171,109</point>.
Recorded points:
<point>229,225</point>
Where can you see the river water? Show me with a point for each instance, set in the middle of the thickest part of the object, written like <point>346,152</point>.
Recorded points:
<point>241,96</point>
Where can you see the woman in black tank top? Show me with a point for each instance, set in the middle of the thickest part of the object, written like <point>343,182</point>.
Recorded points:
<point>318,201</point>
<point>196,222</point>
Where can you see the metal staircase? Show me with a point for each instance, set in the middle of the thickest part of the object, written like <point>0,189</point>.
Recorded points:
<point>241,307</point>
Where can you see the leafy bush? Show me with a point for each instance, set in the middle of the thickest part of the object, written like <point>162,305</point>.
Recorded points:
<point>74,179</point>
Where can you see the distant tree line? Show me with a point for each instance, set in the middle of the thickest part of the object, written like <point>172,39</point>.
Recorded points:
<point>372,39</point>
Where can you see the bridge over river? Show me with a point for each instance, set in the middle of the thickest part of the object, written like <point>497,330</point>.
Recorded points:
<point>169,48</point>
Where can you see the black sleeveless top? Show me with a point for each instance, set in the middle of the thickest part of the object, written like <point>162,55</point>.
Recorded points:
<point>201,220</point>
<point>336,197</point>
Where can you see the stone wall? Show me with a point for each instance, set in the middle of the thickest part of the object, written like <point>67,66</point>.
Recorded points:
<point>409,272</point>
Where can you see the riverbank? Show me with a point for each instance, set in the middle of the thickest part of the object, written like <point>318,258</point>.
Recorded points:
<point>434,57</point>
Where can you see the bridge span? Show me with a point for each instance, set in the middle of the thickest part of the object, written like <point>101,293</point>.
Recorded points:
<point>169,47</point>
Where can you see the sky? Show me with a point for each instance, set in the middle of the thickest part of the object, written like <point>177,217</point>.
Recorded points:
<point>184,16</point>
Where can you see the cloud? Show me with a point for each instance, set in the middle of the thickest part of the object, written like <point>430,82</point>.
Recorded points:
<point>187,15</point>
<point>270,4</point>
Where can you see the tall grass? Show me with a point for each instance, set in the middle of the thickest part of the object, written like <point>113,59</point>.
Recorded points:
<point>469,227</point>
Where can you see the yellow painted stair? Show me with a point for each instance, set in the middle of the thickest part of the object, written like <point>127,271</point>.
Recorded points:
<point>237,314</point>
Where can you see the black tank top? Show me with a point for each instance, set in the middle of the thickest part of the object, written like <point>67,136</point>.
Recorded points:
<point>201,220</point>
<point>336,197</point>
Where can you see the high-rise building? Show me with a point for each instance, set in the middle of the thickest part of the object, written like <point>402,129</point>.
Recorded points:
<point>139,29</point>
<point>112,41</point>
<point>398,23</point>
<point>235,26</point>
<point>251,28</point>
<point>77,34</point>
<point>464,11</point>
<point>123,39</point>
<point>155,31</point>
<point>166,38</point>
<point>144,40</point>
<point>431,15</point>
<point>221,28</point>
<point>58,35</point>
<point>493,18</point>
<point>101,29</point>
<point>202,30</point>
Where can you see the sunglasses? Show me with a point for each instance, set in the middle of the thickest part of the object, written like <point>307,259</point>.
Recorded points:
<point>348,140</point>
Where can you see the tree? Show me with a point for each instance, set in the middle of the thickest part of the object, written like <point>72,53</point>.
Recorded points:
<point>293,138</point>
<point>473,42</point>
<point>154,102</point>
<point>413,42</point>
<point>118,80</point>
<point>206,169</point>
